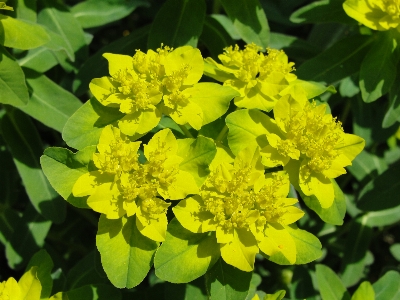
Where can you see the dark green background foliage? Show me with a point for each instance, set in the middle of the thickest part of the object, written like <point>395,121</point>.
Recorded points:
<point>41,87</point>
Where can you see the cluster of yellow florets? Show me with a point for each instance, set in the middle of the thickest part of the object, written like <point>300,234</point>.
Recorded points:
<point>316,135</point>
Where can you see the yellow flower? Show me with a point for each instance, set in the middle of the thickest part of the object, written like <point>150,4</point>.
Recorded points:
<point>121,185</point>
<point>28,287</point>
<point>257,77</point>
<point>375,14</point>
<point>247,209</point>
<point>312,147</point>
<point>135,87</point>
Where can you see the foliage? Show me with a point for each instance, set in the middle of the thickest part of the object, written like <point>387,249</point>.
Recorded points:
<point>208,149</point>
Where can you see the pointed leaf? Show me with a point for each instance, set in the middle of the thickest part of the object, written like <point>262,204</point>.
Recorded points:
<point>12,81</point>
<point>388,286</point>
<point>177,23</point>
<point>329,284</point>
<point>249,19</point>
<point>50,104</point>
<point>25,145</point>
<point>378,69</point>
<point>20,34</point>
<point>44,264</point>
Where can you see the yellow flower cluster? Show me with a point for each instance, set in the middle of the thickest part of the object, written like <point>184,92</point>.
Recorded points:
<point>148,84</point>
<point>257,77</point>
<point>243,206</point>
<point>311,145</point>
<point>122,185</point>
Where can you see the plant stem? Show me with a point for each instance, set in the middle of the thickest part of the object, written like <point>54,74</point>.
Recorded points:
<point>221,135</point>
<point>185,131</point>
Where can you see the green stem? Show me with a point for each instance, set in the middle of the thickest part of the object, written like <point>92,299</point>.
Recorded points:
<point>222,134</point>
<point>185,131</point>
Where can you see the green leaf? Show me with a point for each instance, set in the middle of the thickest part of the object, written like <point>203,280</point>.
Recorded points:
<point>43,261</point>
<point>177,23</point>
<point>228,25</point>
<point>388,286</point>
<point>198,157</point>
<point>226,282</point>
<point>384,187</point>
<point>94,13</point>
<point>27,239</point>
<point>212,98</point>
<point>21,34</point>
<point>378,69</point>
<point>322,12</point>
<point>329,284</point>
<point>63,168</point>
<point>94,292</point>
<point>86,272</point>
<point>57,18</point>
<point>383,217</point>
<point>24,142</point>
<point>26,10</point>
<point>254,283</point>
<point>293,46</point>
<point>367,165</point>
<point>215,37</point>
<point>50,104</point>
<point>84,127</point>
<point>332,215</point>
<point>97,65</point>
<point>185,256</point>
<point>249,19</point>
<point>393,113</point>
<point>249,128</point>
<point>339,61</point>
<point>308,247</point>
<point>395,250</point>
<point>12,81</point>
<point>367,120</point>
<point>302,285</point>
<point>40,60</point>
<point>354,257</point>
<point>364,292</point>
<point>126,255</point>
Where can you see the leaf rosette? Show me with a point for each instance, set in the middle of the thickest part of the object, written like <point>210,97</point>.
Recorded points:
<point>247,210</point>
<point>121,185</point>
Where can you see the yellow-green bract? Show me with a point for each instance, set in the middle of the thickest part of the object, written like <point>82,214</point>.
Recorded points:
<point>375,14</point>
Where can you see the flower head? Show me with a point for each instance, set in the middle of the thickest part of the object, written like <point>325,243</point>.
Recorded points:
<point>122,185</point>
<point>375,14</point>
<point>245,208</point>
<point>311,146</point>
<point>257,77</point>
